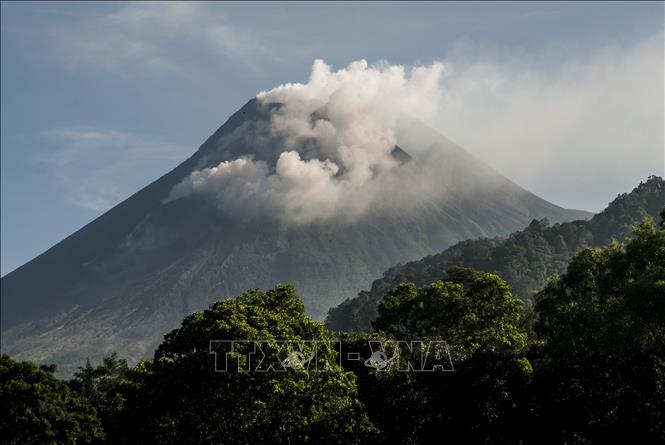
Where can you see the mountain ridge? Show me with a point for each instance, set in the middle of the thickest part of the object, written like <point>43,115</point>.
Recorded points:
<point>525,259</point>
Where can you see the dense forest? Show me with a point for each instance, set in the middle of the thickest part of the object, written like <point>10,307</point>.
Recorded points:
<point>526,259</point>
<point>589,366</point>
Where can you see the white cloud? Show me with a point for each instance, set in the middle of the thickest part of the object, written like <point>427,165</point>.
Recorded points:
<point>99,167</point>
<point>143,37</point>
<point>569,129</point>
<point>337,165</point>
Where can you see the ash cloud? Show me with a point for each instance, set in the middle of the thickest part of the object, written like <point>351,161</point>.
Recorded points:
<point>337,134</point>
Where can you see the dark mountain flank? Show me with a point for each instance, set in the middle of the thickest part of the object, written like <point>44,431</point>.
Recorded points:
<point>525,259</point>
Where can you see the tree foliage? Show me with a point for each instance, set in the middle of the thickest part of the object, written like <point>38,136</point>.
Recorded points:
<point>602,362</point>
<point>477,316</point>
<point>470,310</point>
<point>525,259</point>
<point>39,409</point>
<point>104,387</point>
<point>179,398</point>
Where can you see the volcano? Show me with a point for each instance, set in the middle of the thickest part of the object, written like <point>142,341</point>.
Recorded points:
<point>128,277</point>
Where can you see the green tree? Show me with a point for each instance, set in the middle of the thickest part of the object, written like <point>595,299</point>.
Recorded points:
<point>178,397</point>
<point>601,368</point>
<point>472,310</point>
<point>39,409</point>
<point>104,387</point>
<point>476,314</point>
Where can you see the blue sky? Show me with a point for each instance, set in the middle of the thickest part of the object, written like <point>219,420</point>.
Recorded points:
<point>100,99</point>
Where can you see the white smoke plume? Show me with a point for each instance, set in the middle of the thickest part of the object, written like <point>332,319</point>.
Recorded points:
<point>337,135</point>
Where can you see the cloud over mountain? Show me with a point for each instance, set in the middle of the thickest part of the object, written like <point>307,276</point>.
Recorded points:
<point>336,136</point>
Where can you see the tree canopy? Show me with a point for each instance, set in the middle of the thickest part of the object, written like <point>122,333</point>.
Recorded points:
<point>602,360</point>
<point>178,397</point>
<point>39,409</point>
<point>477,317</point>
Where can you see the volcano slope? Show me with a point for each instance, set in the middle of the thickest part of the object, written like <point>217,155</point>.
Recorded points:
<point>126,278</point>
